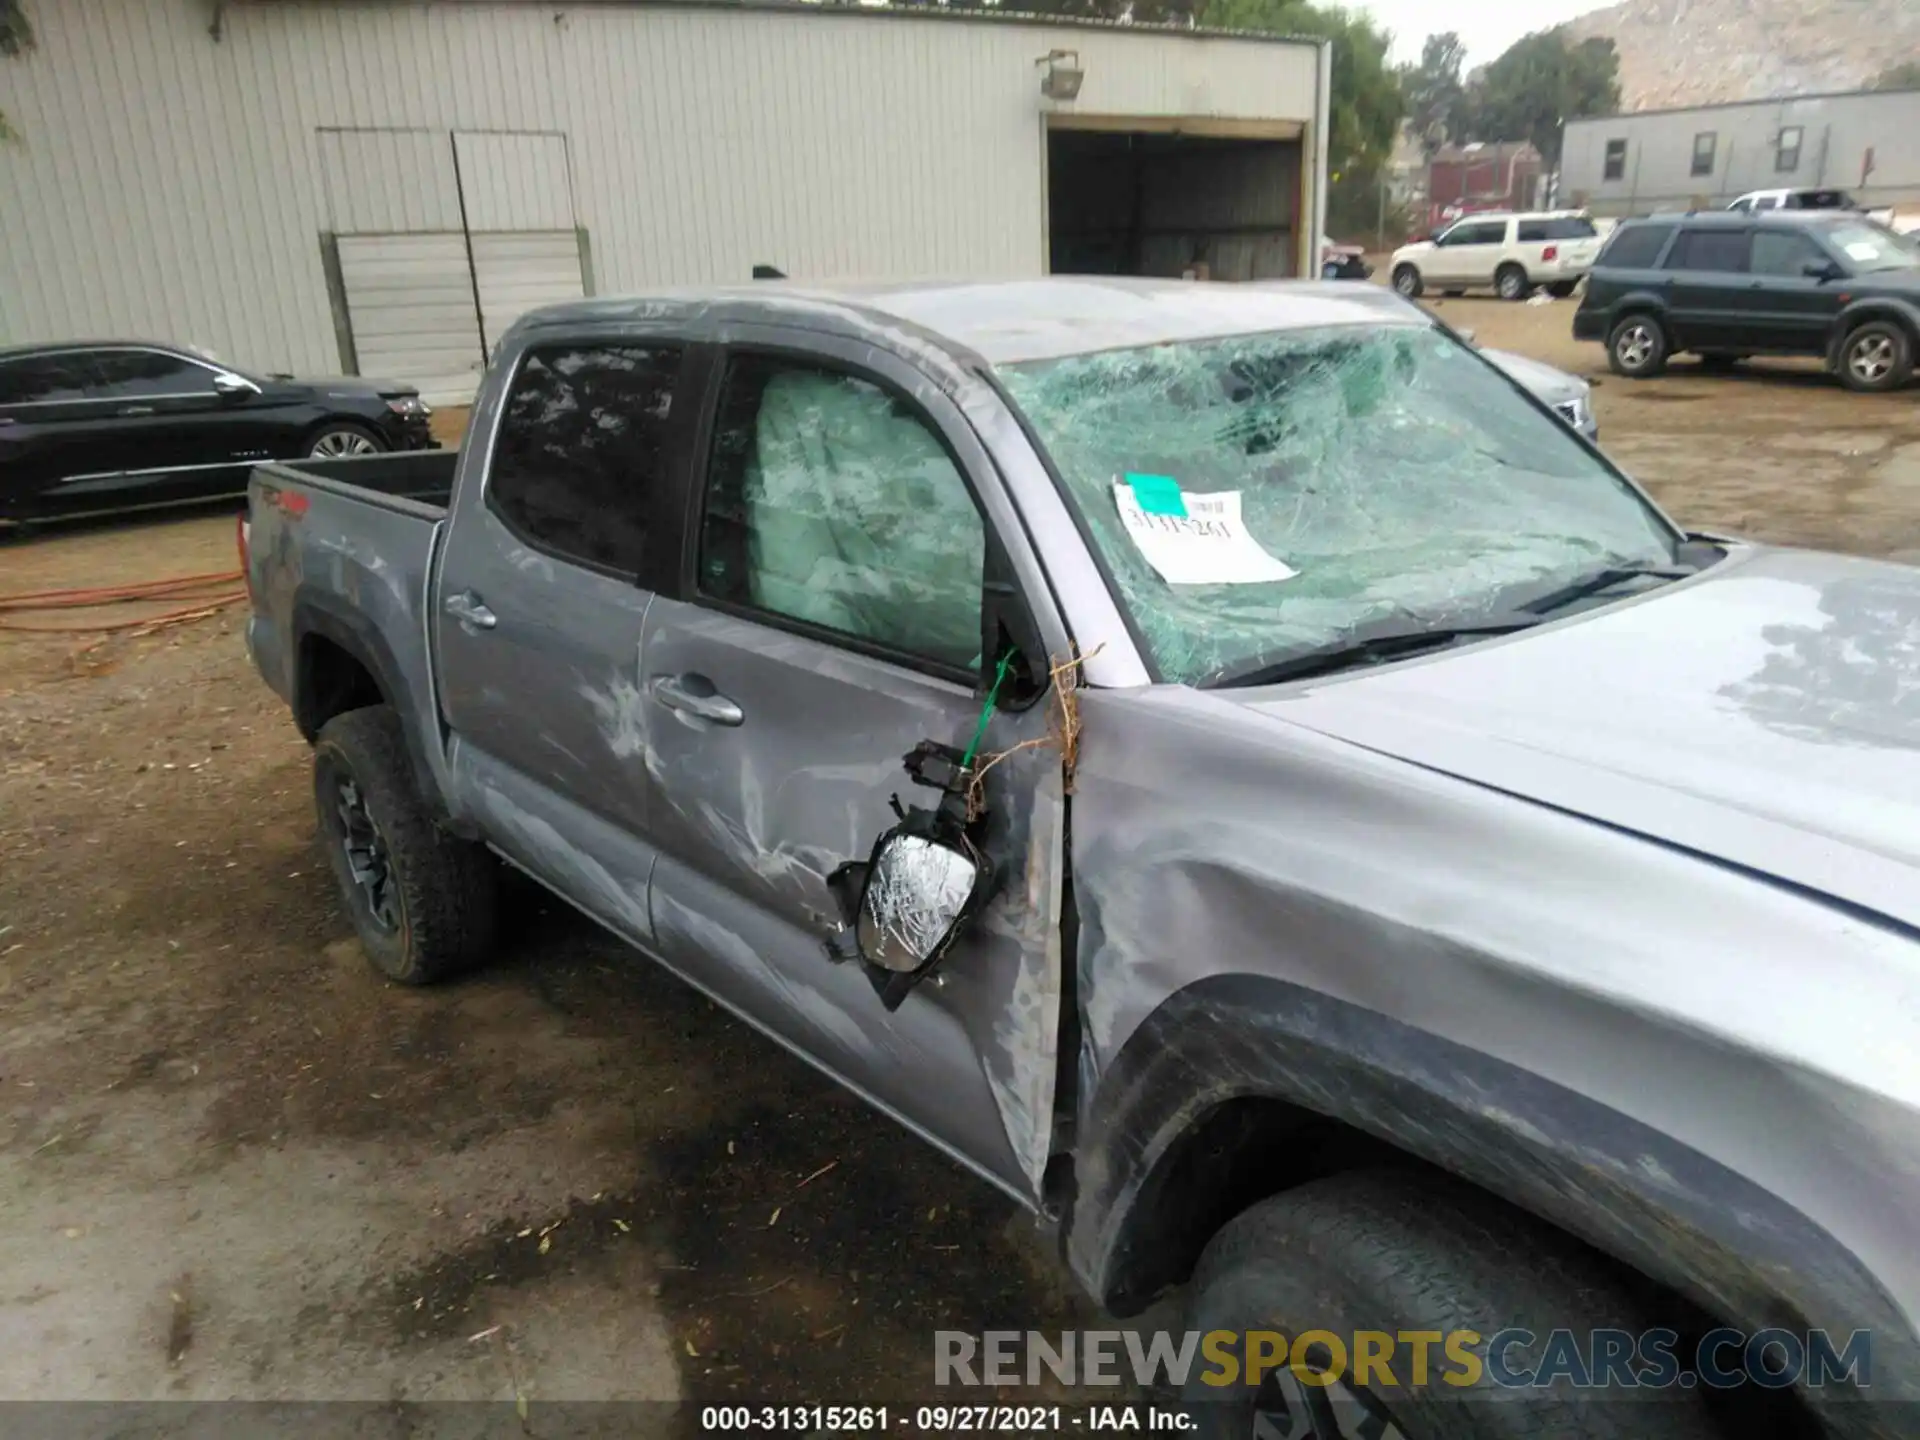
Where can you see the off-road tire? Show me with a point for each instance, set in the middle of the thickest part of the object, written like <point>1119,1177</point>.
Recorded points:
<point>1883,338</point>
<point>443,886</point>
<point>1382,1251</point>
<point>1510,282</point>
<point>1626,357</point>
<point>1407,281</point>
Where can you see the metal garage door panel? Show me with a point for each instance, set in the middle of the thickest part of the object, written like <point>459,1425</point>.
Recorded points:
<point>514,273</point>
<point>386,181</point>
<point>410,304</point>
<point>515,181</point>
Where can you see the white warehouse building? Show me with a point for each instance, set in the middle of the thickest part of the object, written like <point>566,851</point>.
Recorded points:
<point>381,187</point>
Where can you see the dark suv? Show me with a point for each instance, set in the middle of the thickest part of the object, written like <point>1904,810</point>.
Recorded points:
<point>1726,286</point>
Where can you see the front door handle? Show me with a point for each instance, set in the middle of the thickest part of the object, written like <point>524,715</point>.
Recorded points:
<point>128,410</point>
<point>694,695</point>
<point>467,609</point>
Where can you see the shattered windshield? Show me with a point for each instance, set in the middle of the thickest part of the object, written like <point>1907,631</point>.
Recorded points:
<point>1266,494</point>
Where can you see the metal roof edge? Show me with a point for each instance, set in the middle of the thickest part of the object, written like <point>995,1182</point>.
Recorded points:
<point>984,15</point>
<point>1734,105</point>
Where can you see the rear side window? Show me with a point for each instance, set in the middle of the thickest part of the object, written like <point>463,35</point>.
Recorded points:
<point>1719,250</point>
<point>41,380</point>
<point>148,374</point>
<point>1559,227</point>
<point>580,464</point>
<point>1636,247</point>
<point>831,501</point>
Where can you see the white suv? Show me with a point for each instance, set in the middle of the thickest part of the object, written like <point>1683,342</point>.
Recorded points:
<point>1509,254</point>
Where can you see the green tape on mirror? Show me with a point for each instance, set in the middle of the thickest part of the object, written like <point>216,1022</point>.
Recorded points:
<point>1157,494</point>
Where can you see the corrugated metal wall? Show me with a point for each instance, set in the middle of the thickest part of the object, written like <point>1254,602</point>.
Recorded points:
<point>176,186</point>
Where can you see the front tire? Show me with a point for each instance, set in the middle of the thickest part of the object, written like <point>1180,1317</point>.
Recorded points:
<point>340,439</point>
<point>1638,347</point>
<point>1406,280</point>
<point>422,901</point>
<point>1385,1253</point>
<point>1563,289</point>
<point>1511,283</point>
<point>1876,357</point>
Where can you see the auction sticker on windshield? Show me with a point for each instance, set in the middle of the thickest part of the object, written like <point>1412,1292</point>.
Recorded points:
<point>1208,544</point>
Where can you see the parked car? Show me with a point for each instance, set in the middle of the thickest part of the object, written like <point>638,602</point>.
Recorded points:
<point>1509,254</point>
<point>1355,856</point>
<point>1758,202</point>
<point>1343,262</point>
<point>1726,286</point>
<point>114,425</point>
<point>1570,397</point>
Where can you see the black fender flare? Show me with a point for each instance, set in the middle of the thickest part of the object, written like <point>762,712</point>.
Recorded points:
<point>1642,302</point>
<point>318,612</point>
<point>1723,1242</point>
<point>1873,307</point>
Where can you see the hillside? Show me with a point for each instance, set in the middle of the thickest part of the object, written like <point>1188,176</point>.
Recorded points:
<point>1693,52</point>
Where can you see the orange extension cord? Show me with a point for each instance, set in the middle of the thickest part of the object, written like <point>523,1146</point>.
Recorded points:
<point>192,589</point>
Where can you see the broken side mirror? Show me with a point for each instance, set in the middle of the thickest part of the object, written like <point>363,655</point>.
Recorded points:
<point>927,877</point>
<point>919,889</point>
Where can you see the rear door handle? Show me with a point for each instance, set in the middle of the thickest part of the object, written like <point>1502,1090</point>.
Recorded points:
<point>694,695</point>
<point>127,410</point>
<point>467,609</point>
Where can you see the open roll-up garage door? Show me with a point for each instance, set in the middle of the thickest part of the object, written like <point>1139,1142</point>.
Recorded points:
<point>515,272</point>
<point>1163,201</point>
<point>410,305</point>
<point>443,240</point>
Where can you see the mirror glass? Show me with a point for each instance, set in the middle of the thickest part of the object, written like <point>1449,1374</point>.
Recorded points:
<point>915,894</point>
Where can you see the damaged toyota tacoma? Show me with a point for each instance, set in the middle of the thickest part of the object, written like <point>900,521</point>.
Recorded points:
<point>1228,767</point>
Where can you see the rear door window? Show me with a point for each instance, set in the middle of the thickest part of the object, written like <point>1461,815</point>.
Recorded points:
<point>148,375</point>
<point>579,469</point>
<point>1722,251</point>
<point>1636,247</point>
<point>43,379</point>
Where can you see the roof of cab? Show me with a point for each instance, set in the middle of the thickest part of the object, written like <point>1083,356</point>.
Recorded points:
<point>1011,321</point>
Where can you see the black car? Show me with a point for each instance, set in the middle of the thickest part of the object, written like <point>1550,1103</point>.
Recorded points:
<point>1725,286</point>
<point>114,425</point>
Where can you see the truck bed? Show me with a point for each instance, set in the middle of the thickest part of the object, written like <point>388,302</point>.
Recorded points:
<point>422,476</point>
<point>339,553</point>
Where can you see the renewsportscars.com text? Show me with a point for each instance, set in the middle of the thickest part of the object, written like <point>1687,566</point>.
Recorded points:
<point>1385,1360</point>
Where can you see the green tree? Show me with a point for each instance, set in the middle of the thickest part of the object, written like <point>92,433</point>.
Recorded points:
<point>1434,91</point>
<point>1904,76</point>
<point>1366,102</point>
<point>1539,84</point>
<point>16,35</point>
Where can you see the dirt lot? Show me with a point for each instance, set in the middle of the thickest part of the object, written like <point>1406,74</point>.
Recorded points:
<point>236,1164</point>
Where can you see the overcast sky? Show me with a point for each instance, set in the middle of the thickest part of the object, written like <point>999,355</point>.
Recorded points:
<point>1486,26</point>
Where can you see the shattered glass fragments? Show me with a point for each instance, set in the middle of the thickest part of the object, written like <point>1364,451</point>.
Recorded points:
<point>1394,469</point>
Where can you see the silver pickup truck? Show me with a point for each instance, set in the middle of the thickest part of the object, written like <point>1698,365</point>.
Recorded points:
<point>1229,768</point>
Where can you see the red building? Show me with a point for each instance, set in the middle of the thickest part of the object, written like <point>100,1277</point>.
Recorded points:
<point>1464,179</point>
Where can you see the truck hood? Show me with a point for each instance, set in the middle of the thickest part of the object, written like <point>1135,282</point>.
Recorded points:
<point>1764,714</point>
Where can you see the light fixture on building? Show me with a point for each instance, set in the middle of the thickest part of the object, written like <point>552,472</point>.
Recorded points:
<point>1063,74</point>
